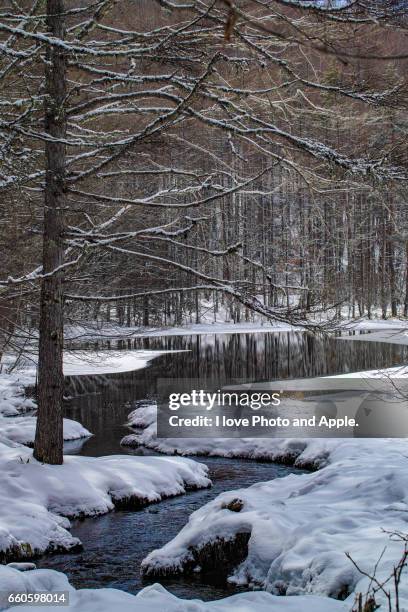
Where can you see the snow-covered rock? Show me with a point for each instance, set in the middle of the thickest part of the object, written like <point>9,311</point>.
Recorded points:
<point>37,498</point>
<point>298,528</point>
<point>154,598</point>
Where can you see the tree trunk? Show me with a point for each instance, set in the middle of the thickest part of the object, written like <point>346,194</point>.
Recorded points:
<point>406,282</point>
<point>48,446</point>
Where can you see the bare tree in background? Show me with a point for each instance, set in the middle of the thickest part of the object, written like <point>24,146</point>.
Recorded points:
<point>182,154</point>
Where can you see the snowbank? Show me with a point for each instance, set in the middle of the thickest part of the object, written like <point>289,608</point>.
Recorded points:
<point>298,528</point>
<point>374,324</point>
<point>220,328</point>
<point>76,363</point>
<point>154,598</point>
<point>37,497</point>
<point>288,451</point>
<point>22,429</point>
<point>115,331</point>
<point>112,331</point>
<point>80,363</point>
<point>13,400</point>
<point>14,403</point>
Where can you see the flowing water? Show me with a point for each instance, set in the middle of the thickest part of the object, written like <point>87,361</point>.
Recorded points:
<point>115,544</point>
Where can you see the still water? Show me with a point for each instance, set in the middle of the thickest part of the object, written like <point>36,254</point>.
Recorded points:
<point>115,544</point>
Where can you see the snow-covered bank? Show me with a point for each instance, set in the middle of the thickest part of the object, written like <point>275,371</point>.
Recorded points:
<point>154,598</point>
<point>85,363</point>
<point>111,331</point>
<point>373,324</point>
<point>13,400</point>
<point>22,429</point>
<point>13,385</point>
<point>290,451</point>
<point>91,332</point>
<point>298,528</point>
<point>16,424</point>
<point>389,336</point>
<point>37,497</point>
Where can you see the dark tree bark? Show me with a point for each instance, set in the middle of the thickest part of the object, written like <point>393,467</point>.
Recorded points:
<point>48,446</point>
<point>406,282</point>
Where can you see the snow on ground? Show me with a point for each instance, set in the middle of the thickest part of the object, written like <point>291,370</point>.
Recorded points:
<point>13,400</point>
<point>373,324</point>
<point>113,331</point>
<point>220,328</point>
<point>37,496</point>
<point>76,363</point>
<point>143,421</point>
<point>301,526</point>
<point>390,336</point>
<point>15,424</point>
<point>80,363</point>
<point>154,598</point>
<point>22,429</point>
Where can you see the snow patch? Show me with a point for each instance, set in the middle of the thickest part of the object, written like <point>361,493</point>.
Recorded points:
<point>84,363</point>
<point>39,496</point>
<point>154,598</point>
<point>22,429</point>
<point>301,526</point>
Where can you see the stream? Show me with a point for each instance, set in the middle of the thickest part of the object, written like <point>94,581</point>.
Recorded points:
<point>116,543</point>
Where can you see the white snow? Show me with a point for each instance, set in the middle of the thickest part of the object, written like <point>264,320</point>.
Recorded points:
<point>154,598</point>
<point>76,363</point>
<point>12,392</point>
<point>38,496</point>
<point>301,526</point>
<point>372,325</point>
<point>390,336</point>
<point>290,450</point>
<point>114,331</point>
<point>221,328</point>
<point>15,424</point>
<point>22,429</point>
<point>80,363</point>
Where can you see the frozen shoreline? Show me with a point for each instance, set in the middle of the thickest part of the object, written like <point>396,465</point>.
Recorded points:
<point>40,496</point>
<point>297,529</point>
<point>358,490</point>
<point>153,598</point>
<point>116,332</point>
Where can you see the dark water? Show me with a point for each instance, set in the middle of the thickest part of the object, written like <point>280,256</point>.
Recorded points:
<point>115,544</point>
<point>102,403</point>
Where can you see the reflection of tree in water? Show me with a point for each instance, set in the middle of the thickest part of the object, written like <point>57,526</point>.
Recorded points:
<point>102,403</point>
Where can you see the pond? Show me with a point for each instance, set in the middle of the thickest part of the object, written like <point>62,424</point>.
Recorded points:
<point>115,544</point>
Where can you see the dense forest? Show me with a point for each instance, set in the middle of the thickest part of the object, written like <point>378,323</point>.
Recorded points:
<point>204,305</point>
<point>163,159</point>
